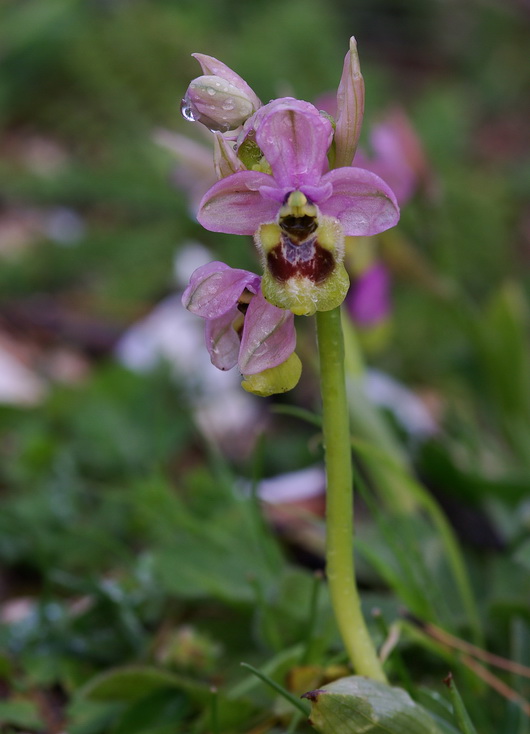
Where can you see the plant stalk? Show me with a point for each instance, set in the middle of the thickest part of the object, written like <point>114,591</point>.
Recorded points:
<point>340,568</point>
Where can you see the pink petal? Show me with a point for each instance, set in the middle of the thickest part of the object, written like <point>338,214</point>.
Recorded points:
<point>235,206</point>
<point>215,288</point>
<point>362,202</point>
<point>225,159</point>
<point>295,139</point>
<point>222,340</point>
<point>269,336</point>
<point>214,67</point>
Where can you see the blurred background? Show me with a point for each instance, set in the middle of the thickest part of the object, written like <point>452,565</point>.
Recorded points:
<point>119,447</point>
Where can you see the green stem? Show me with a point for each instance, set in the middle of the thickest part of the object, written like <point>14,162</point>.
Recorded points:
<point>339,504</point>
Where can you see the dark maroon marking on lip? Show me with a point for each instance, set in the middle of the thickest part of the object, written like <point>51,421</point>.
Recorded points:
<point>298,229</point>
<point>308,260</point>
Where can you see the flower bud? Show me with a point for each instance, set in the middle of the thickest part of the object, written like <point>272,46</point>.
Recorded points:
<point>350,108</point>
<point>220,99</point>
<point>213,67</point>
<point>275,379</point>
<point>216,103</point>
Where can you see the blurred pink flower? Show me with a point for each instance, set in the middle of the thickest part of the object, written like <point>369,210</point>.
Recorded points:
<point>398,155</point>
<point>368,300</point>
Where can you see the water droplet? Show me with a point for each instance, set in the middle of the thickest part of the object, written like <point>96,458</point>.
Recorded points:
<point>210,91</point>
<point>186,110</point>
<point>228,105</point>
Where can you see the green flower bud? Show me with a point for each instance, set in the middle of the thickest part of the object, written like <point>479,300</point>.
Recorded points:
<point>276,379</point>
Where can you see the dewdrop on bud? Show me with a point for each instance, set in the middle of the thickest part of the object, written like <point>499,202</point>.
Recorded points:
<point>216,103</point>
<point>220,99</point>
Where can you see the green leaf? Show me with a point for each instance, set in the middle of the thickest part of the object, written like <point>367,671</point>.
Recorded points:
<point>462,718</point>
<point>505,352</point>
<point>135,681</point>
<point>522,555</point>
<point>20,713</point>
<point>357,704</point>
<point>279,689</point>
<point>92,717</point>
<point>452,554</point>
<point>214,554</point>
<point>6,668</point>
<point>438,707</point>
<point>158,713</point>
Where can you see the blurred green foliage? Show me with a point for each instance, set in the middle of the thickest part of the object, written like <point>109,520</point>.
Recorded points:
<point>121,528</point>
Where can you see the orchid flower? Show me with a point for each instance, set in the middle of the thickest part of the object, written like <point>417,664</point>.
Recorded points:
<point>243,329</point>
<point>300,211</point>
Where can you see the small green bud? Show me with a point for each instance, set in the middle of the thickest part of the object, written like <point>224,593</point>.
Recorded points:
<point>276,379</point>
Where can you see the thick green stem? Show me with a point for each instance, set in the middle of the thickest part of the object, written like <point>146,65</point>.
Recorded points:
<point>339,505</point>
